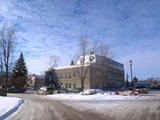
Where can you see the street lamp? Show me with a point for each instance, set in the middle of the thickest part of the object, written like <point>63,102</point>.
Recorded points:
<point>131,69</point>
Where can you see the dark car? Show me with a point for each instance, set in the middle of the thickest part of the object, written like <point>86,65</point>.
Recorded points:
<point>14,89</point>
<point>2,90</point>
<point>142,88</point>
<point>45,90</point>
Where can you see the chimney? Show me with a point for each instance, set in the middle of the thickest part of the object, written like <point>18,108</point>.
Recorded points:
<point>91,53</point>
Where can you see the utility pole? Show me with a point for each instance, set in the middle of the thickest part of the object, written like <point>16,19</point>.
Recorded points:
<point>131,69</point>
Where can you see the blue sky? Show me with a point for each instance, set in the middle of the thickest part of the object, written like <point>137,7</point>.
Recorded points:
<point>54,27</point>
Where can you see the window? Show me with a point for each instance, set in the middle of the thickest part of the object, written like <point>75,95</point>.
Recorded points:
<point>66,75</point>
<point>61,76</point>
<point>69,75</point>
<point>74,74</point>
<point>74,85</point>
<point>66,85</point>
<point>69,85</point>
<point>91,58</point>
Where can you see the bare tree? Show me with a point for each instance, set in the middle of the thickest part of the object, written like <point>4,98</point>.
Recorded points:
<point>83,67</point>
<point>100,70</point>
<point>1,60</point>
<point>54,61</point>
<point>7,39</point>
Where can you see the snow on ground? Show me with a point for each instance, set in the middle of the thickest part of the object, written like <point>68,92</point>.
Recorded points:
<point>92,106</point>
<point>110,105</point>
<point>8,105</point>
<point>119,110</point>
<point>98,102</point>
<point>95,97</point>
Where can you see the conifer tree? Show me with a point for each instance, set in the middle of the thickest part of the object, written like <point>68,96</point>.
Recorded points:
<point>51,78</point>
<point>127,82</point>
<point>134,81</point>
<point>72,63</point>
<point>20,72</point>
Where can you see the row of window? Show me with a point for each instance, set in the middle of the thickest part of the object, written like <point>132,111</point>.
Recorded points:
<point>74,74</point>
<point>69,85</point>
<point>115,76</point>
<point>68,75</point>
<point>115,70</point>
<point>114,63</point>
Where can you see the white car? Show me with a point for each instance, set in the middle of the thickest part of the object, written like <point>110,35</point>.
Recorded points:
<point>45,90</point>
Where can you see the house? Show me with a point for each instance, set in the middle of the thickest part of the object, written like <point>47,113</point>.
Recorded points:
<point>100,72</point>
<point>35,80</point>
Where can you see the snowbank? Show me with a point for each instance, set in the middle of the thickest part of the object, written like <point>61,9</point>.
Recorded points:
<point>91,91</point>
<point>94,97</point>
<point>8,105</point>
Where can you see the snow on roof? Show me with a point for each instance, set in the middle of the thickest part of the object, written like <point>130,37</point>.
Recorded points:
<point>66,67</point>
<point>92,58</point>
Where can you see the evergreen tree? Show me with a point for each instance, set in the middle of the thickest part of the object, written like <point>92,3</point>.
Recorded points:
<point>20,72</point>
<point>51,78</point>
<point>127,82</point>
<point>134,81</point>
<point>72,63</point>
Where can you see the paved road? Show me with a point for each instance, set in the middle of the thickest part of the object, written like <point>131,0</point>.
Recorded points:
<point>39,108</point>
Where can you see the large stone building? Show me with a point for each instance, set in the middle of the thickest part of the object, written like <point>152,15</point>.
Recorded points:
<point>99,72</point>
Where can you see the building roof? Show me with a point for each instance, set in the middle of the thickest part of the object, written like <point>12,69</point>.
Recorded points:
<point>91,59</point>
<point>66,67</point>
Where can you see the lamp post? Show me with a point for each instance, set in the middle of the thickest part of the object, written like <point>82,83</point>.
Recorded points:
<point>131,69</point>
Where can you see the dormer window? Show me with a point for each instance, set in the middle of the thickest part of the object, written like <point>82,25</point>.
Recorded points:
<point>82,60</point>
<point>91,58</point>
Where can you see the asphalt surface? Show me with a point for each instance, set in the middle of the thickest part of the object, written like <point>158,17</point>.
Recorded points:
<point>41,108</point>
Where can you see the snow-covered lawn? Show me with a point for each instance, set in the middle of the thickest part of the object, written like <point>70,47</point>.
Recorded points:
<point>109,105</point>
<point>8,105</point>
<point>95,97</point>
<point>99,102</point>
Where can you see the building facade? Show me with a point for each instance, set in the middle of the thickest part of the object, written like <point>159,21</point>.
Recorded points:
<point>35,81</point>
<point>99,72</point>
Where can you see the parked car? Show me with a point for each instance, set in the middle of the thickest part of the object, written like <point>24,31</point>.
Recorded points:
<point>142,89</point>
<point>62,90</point>
<point>1,91</point>
<point>76,90</point>
<point>45,90</point>
<point>14,89</point>
<point>89,92</point>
